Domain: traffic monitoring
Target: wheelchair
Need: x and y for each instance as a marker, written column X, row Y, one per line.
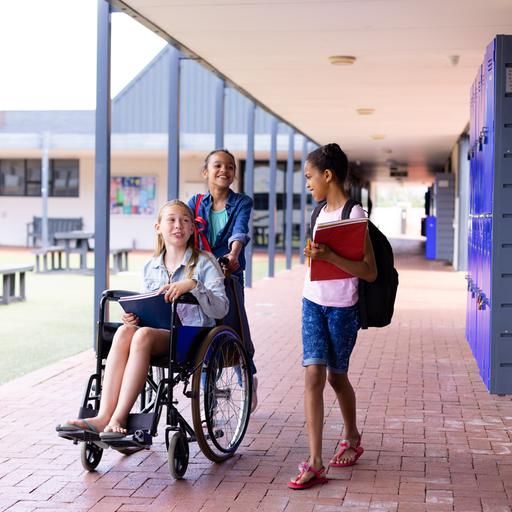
column 212, row 365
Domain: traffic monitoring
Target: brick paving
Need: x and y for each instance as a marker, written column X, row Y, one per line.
column 435, row 440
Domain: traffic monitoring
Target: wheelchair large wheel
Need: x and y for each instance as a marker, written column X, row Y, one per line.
column 221, row 394
column 90, row 455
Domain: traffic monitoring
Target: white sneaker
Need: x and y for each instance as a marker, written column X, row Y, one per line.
column 254, row 403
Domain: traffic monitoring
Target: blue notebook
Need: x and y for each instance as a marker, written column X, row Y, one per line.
column 151, row 308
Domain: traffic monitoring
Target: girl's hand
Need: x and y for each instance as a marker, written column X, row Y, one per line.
column 318, row 252
column 233, row 262
column 130, row 319
column 174, row 290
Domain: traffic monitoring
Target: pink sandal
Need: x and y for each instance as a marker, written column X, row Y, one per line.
column 318, row 479
column 344, row 446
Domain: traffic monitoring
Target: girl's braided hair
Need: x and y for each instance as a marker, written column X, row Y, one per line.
column 332, row 157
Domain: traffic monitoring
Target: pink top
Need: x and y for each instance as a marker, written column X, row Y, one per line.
column 340, row 293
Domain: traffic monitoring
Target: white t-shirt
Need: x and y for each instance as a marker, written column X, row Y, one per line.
column 340, row 293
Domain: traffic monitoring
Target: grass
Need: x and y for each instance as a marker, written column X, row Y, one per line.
column 56, row 320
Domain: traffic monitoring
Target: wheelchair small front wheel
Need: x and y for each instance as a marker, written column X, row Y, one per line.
column 177, row 454
column 90, row 455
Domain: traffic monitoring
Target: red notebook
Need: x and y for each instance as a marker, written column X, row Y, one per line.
column 344, row 237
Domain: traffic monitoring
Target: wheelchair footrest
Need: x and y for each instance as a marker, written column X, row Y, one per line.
column 139, row 440
column 79, row 435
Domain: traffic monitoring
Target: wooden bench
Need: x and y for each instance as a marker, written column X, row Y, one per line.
column 120, row 259
column 55, row 252
column 55, row 225
column 9, row 282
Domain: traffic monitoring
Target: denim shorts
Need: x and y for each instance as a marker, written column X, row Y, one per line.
column 328, row 335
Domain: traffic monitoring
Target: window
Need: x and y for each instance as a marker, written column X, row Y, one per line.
column 12, row 177
column 20, row 177
column 64, row 178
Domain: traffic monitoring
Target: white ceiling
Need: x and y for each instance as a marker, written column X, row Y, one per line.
column 278, row 51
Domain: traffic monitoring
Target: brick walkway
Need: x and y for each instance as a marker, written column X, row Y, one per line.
column 434, row 439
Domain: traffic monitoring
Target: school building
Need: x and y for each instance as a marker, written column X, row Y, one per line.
column 139, row 155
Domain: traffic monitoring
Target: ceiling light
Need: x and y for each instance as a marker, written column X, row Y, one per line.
column 342, row 60
column 454, row 59
column 365, row 111
column 378, row 136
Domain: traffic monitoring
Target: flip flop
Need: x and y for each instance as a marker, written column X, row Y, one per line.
column 344, row 446
column 70, row 427
column 75, row 432
column 112, row 436
column 318, row 479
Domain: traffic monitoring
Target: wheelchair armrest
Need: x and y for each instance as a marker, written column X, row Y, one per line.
column 117, row 294
column 187, row 298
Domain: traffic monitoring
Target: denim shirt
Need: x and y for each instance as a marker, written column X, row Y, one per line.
column 239, row 208
column 209, row 292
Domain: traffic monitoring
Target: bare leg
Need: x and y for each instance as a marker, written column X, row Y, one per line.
column 114, row 371
column 314, row 409
column 146, row 342
column 347, row 401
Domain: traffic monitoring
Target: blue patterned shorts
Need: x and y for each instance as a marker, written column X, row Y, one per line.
column 328, row 335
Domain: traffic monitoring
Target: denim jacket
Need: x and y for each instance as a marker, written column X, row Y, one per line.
column 209, row 292
column 238, row 207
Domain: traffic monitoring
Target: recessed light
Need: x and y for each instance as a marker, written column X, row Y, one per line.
column 365, row 111
column 378, row 136
column 342, row 60
column 454, row 59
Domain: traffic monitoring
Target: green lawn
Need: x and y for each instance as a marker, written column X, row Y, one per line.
column 56, row 320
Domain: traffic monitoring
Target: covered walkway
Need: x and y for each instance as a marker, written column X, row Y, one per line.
column 434, row 438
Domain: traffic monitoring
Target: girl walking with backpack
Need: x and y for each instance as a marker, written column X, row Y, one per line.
column 330, row 321
column 222, row 218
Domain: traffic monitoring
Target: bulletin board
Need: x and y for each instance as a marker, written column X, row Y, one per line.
column 133, row 195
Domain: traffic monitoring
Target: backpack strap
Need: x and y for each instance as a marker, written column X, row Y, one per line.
column 199, row 232
column 345, row 213
column 315, row 214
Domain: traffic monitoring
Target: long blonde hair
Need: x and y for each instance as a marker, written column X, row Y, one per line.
column 160, row 244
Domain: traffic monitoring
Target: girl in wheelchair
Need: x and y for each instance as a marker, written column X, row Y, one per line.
column 176, row 268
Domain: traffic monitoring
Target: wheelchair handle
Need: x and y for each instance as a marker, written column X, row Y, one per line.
column 117, row 294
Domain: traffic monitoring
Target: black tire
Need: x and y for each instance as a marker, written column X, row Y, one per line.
column 221, row 394
column 90, row 455
column 177, row 454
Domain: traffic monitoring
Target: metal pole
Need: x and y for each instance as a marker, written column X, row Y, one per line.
column 303, row 196
column 45, row 171
column 289, row 201
column 249, row 186
column 219, row 114
column 102, row 157
column 272, row 199
column 173, row 142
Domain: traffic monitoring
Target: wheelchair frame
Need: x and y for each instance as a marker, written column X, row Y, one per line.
column 211, row 359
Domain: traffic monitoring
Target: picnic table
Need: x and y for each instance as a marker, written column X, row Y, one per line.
column 75, row 242
column 9, row 282
column 55, row 262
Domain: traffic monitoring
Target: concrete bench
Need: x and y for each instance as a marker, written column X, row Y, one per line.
column 120, row 259
column 9, row 282
column 55, row 253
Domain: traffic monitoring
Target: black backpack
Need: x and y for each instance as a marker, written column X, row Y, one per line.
column 377, row 299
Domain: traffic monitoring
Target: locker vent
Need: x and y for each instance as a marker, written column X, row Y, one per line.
column 489, row 64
